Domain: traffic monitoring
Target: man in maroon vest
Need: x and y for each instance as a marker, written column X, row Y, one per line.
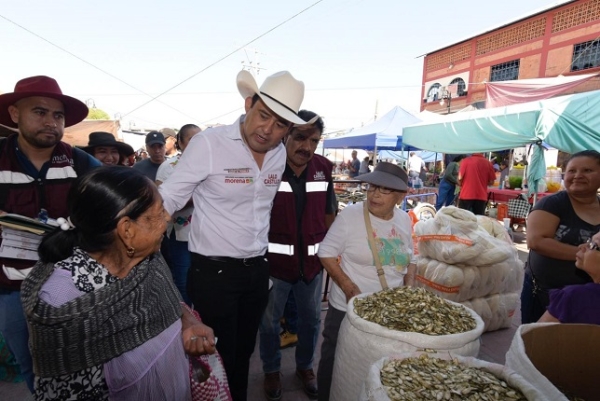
column 36, row 172
column 303, row 210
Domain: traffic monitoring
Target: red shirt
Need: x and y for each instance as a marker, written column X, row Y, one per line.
column 476, row 172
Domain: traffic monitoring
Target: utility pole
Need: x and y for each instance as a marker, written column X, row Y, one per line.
column 252, row 64
column 376, row 109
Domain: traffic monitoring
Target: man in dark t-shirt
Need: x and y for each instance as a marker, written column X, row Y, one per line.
column 155, row 146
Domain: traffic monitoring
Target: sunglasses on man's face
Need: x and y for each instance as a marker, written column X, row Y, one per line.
column 592, row 245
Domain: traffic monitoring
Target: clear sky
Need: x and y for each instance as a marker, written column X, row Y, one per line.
column 357, row 58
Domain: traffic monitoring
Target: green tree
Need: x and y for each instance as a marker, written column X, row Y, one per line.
column 97, row 114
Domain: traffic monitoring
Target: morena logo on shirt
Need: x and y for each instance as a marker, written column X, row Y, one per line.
column 319, row 175
column 61, row 159
column 239, row 180
column 272, row 180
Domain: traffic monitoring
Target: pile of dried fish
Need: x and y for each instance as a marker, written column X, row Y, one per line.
column 427, row 378
column 414, row 310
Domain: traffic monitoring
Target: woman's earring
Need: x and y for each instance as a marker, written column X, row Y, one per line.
column 130, row 251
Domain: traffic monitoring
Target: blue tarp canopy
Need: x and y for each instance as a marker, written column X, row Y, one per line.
column 382, row 133
column 569, row 123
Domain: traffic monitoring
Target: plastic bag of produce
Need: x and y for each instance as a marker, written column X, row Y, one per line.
column 494, row 228
column 447, row 375
column 362, row 342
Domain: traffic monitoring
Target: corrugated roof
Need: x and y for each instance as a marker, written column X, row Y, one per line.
column 511, row 22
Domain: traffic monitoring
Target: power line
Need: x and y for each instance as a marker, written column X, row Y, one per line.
column 90, row 64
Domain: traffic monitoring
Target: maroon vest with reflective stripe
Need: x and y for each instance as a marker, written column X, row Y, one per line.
column 21, row 194
column 283, row 230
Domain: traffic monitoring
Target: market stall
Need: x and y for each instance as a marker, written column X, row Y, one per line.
column 380, row 134
column 569, row 123
column 504, row 195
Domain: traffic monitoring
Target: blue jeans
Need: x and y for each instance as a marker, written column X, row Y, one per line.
column 445, row 194
column 179, row 262
column 308, row 302
column 13, row 327
column 290, row 313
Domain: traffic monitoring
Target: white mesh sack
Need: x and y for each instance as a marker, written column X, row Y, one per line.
column 361, row 343
column 373, row 390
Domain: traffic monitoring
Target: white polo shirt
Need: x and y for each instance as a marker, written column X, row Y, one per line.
column 232, row 196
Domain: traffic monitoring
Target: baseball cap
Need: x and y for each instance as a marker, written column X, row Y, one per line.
column 154, row 137
column 167, row 132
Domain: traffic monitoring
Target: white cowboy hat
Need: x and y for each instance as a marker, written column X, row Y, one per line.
column 280, row 92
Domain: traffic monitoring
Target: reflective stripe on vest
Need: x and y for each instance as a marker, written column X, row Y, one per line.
column 288, row 250
column 316, row 186
column 285, row 187
column 13, row 177
column 59, row 173
column 313, row 249
column 282, row 249
column 311, row 186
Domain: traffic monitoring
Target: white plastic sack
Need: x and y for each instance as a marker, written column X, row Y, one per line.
column 454, row 237
column 361, row 343
column 496, row 310
column 503, row 307
column 482, row 308
column 453, row 283
column 373, row 390
column 516, row 359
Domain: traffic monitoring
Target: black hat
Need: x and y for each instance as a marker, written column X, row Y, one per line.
column 106, row 139
column 154, row 137
column 387, row 175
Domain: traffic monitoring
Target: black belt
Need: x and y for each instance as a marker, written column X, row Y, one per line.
column 244, row 261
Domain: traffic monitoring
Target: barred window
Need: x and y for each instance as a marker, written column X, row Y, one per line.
column 505, row 71
column 586, row 55
column 461, row 87
column 433, row 94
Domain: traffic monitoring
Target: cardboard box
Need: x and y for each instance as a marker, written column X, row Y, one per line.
column 568, row 355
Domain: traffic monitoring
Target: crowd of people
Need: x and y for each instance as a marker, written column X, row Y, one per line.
column 238, row 222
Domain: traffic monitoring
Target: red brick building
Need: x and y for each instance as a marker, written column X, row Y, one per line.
column 560, row 40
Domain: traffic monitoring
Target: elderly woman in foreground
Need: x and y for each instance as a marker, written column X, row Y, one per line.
column 105, row 319
column 391, row 233
column 579, row 303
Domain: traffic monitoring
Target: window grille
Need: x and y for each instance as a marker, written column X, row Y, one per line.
column 505, row 71
column 433, row 94
column 461, row 87
column 586, row 55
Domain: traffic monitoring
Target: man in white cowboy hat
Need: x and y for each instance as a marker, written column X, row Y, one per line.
column 232, row 173
column 36, row 172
